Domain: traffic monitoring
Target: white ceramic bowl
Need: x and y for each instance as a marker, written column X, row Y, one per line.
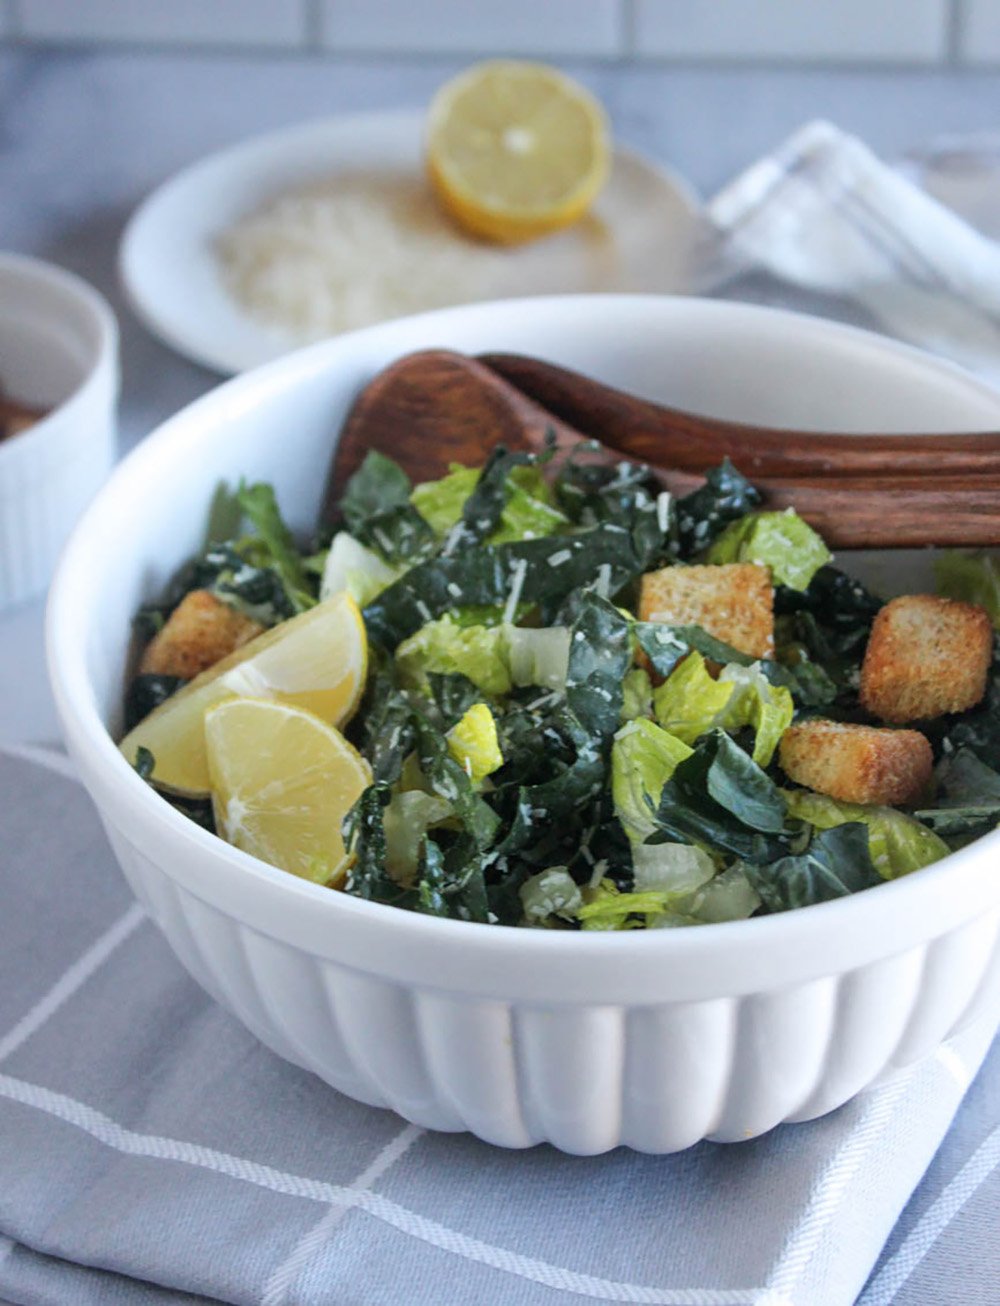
column 59, row 352
column 653, row 1039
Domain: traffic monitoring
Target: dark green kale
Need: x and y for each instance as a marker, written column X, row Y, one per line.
column 377, row 511
column 704, row 514
column 837, row 862
column 147, row 691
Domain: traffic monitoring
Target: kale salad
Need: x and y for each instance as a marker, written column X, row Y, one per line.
column 583, row 704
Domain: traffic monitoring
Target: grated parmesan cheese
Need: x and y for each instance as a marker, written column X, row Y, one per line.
column 349, row 251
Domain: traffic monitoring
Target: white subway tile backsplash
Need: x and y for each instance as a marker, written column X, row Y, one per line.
column 523, row 27
column 211, row 22
column 979, row 31
column 906, row 31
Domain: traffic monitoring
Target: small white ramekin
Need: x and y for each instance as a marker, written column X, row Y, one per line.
column 58, row 352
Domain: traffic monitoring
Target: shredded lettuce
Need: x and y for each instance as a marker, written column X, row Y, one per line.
column 779, row 540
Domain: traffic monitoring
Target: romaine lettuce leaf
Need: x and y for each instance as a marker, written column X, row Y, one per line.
column 637, row 695
column 477, row 652
column 552, row 892
column 507, row 500
column 728, row 896
column 678, row 868
column 690, row 701
column 472, row 741
column 897, row 843
column 756, row 702
column 405, row 821
column 972, row 577
column 779, row 540
column 643, row 758
column 350, row 566
column 494, row 658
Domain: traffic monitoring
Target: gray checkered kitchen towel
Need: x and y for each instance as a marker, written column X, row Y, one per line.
column 152, row 1151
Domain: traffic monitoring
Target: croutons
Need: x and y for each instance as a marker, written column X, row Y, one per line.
column 734, row 602
column 200, row 630
column 857, row 764
column 926, row 656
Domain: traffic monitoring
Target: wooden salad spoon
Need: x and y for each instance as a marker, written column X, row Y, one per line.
column 437, row 407
column 653, row 432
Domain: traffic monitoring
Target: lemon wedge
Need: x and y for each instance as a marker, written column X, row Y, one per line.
column 282, row 782
column 516, row 149
column 317, row 661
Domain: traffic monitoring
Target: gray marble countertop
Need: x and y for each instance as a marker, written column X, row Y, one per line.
column 85, row 136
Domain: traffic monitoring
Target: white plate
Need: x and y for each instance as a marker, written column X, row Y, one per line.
column 636, row 238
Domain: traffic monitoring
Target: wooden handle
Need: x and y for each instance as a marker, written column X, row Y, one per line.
column 654, row 433
column 857, row 514
column 436, row 407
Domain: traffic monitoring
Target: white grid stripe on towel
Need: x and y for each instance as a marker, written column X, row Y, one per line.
column 933, row 1223
column 277, row 1287
column 72, row 980
column 807, row 1234
column 151, row 1146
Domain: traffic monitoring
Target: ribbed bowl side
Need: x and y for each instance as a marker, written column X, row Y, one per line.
column 586, row 1078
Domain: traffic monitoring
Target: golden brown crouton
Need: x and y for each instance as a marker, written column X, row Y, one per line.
column 200, row 630
column 926, row 656
column 734, row 602
column 857, row 764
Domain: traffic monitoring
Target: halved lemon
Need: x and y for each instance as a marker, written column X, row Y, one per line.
column 516, row 149
column 282, row 782
column 317, row 660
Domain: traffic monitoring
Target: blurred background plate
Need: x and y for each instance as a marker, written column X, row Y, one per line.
column 636, row 238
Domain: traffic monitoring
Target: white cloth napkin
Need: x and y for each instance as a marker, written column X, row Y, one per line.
column 824, row 214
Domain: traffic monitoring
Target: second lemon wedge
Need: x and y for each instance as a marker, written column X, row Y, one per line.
column 317, row 661
column 516, row 149
column 282, row 783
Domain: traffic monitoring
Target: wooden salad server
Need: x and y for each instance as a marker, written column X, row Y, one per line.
column 436, row 407
column 651, row 432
